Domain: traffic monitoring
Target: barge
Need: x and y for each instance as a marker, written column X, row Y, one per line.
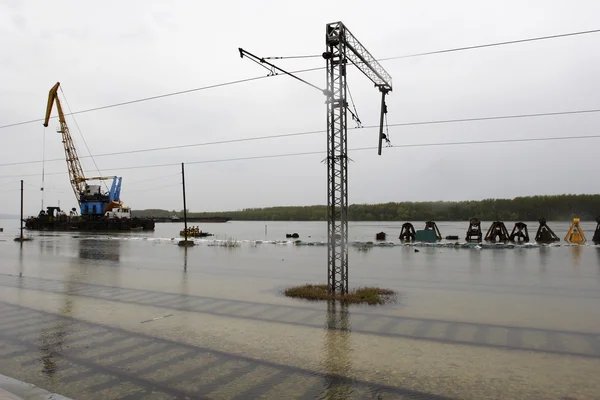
column 54, row 219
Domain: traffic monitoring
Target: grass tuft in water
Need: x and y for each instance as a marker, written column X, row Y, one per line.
column 362, row 295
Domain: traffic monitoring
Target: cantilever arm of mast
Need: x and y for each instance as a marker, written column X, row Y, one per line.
column 364, row 61
column 338, row 33
column 273, row 66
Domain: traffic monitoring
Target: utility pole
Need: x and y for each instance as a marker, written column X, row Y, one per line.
column 341, row 48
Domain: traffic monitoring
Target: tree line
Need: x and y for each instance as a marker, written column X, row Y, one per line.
column 558, row 207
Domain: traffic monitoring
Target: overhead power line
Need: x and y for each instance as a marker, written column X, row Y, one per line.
column 293, row 57
column 539, row 38
column 402, row 146
column 285, row 135
column 160, row 96
column 481, row 46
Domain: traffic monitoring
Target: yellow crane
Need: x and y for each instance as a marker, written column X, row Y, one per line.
column 76, row 175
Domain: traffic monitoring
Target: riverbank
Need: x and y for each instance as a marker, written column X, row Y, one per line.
column 531, row 208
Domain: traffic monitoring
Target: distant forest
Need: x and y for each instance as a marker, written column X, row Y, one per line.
column 560, row 207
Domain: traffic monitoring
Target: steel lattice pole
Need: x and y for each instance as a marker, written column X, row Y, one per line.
column 337, row 161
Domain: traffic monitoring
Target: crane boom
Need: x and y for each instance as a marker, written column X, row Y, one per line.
column 76, row 175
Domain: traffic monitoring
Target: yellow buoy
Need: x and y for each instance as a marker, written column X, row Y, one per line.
column 575, row 234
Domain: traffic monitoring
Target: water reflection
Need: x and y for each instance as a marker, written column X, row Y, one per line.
column 337, row 352
column 93, row 249
column 499, row 261
column 544, row 254
column 21, row 260
column 52, row 339
column 598, row 256
column 21, row 293
column 475, row 261
column 576, row 254
column 48, row 246
column 520, row 258
column 185, row 258
column 184, row 278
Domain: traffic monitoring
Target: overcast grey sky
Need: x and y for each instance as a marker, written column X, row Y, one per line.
column 114, row 51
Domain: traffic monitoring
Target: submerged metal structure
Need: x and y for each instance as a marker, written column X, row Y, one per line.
column 544, row 233
column 407, row 233
column 575, row 234
column 519, row 233
column 596, row 238
column 474, row 231
column 343, row 47
column 432, row 226
column 497, row 232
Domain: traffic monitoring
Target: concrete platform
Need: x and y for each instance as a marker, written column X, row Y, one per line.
column 13, row 389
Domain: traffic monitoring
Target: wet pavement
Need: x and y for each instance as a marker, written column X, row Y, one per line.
column 99, row 361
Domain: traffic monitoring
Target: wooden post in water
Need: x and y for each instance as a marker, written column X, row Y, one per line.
column 185, row 230
column 21, row 238
column 21, row 210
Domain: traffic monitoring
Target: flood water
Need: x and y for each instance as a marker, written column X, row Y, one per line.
column 132, row 315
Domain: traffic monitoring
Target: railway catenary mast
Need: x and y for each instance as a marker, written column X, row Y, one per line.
column 341, row 47
column 91, row 201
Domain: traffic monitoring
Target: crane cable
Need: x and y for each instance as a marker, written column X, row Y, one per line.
column 43, row 164
column 81, row 134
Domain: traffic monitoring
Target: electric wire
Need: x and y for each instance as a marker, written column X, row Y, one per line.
column 159, row 187
column 274, row 68
column 271, row 71
column 270, row 156
column 306, row 70
column 160, row 96
column 285, row 135
column 388, row 140
column 292, row 57
column 181, row 146
column 481, row 46
column 355, row 113
column 154, row 178
column 513, row 116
